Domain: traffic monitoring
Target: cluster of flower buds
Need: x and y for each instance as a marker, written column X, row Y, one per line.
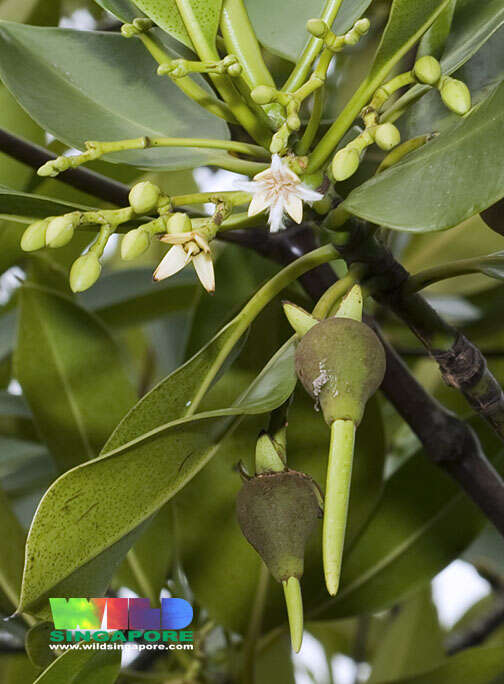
column 427, row 71
column 292, row 101
column 190, row 243
column 454, row 93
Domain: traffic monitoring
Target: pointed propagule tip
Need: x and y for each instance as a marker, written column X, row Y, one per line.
column 267, row 458
column 294, row 603
column 299, row 319
column 351, row 305
column 332, row 580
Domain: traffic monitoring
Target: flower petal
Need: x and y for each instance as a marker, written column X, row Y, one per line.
column 173, row 262
column 258, row 203
column 307, row 194
column 276, row 216
column 294, row 207
column 246, row 186
column 203, row 265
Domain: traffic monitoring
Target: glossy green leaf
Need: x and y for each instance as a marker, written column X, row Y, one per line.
column 15, row 416
column 167, row 16
column 64, row 351
column 81, row 666
column 114, row 494
column 94, row 92
column 12, row 541
column 122, row 9
column 20, row 203
column 282, row 28
column 16, row 668
column 37, row 644
column 412, row 639
column 434, row 41
column 422, row 522
column 474, row 666
column 437, row 186
column 273, row 664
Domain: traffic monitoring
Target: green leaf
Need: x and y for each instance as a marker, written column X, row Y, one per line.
column 37, row 644
column 96, row 81
column 282, row 27
column 81, row 666
column 12, row 541
column 433, row 42
column 64, row 351
column 474, row 666
column 112, row 495
column 122, row 9
column 492, row 265
column 167, row 16
column 273, row 664
column 16, row 668
column 422, row 522
column 437, row 186
column 34, row 206
column 412, row 639
column 15, row 416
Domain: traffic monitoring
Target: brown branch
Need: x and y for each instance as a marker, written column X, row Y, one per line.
column 82, row 179
column 461, row 363
column 479, row 630
column 448, row 441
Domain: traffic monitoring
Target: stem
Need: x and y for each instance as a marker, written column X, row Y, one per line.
column 247, row 168
column 208, row 51
column 313, row 124
column 313, row 47
column 339, row 474
column 188, row 86
column 240, row 40
column 82, row 179
column 435, row 274
column 294, row 603
column 258, row 302
column 233, row 197
column 254, row 628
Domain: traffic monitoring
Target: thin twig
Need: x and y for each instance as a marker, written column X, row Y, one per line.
column 479, row 630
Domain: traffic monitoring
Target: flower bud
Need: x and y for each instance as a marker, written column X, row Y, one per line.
column 134, row 244
column 456, row 95
column 34, row 236
column 85, row 272
column 345, row 163
column 61, row 230
column 317, row 27
column 427, row 70
column 263, row 94
column 144, row 197
column 234, row 69
column 293, row 122
column 387, row 136
column 179, row 223
column 362, row 26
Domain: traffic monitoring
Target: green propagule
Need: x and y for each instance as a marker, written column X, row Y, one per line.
column 292, row 159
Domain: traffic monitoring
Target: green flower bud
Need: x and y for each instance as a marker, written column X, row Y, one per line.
column 314, row 180
column 144, row 197
column 263, row 94
column 427, row 70
column 345, row 163
column 456, row 95
column 317, row 27
column 293, row 122
column 34, row 236
column 234, row 69
column 135, row 243
column 362, row 26
column 179, row 223
column 387, row 136
column 61, row 230
column 85, row 272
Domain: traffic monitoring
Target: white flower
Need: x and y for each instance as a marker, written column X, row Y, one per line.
column 185, row 250
column 280, row 190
